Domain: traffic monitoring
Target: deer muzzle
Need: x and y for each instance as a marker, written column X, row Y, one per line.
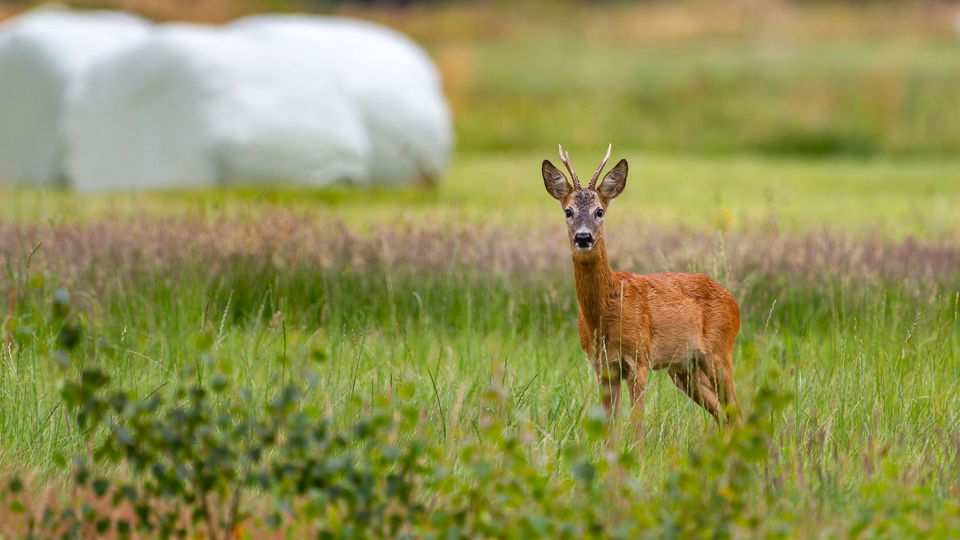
column 583, row 241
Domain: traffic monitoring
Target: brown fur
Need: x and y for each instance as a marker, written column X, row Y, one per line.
column 632, row 323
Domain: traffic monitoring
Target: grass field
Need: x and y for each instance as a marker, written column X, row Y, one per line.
column 454, row 290
column 882, row 197
column 457, row 303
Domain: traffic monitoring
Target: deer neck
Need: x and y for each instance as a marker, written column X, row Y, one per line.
column 594, row 281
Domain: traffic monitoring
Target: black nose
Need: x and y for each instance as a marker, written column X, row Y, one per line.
column 583, row 239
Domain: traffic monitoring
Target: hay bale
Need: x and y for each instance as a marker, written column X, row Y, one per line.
column 392, row 81
column 44, row 56
column 197, row 106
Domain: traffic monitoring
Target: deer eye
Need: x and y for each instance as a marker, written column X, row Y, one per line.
column 599, row 212
column 568, row 212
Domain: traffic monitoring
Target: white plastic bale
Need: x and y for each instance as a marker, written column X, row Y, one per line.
column 393, row 81
column 196, row 106
column 44, row 54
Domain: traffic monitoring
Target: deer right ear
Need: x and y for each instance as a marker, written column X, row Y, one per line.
column 555, row 182
column 614, row 182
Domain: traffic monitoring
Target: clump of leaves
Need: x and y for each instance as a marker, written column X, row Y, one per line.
column 718, row 489
column 194, row 462
column 194, row 459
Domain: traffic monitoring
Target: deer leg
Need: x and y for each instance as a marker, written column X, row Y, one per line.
column 708, row 393
column 695, row 384
column 638, row 391
column 609, row 377
column 717, row 370
column 716, row 376
column 724, row 384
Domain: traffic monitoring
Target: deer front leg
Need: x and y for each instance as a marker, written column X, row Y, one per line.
column 638, row 391
column 608, row 368
column 608, row 375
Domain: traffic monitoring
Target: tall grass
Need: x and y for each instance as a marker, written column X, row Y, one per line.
column 864, row 333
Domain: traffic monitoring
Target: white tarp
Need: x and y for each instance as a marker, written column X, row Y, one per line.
column 198, row 105
column 44, row 54
column 393, row 82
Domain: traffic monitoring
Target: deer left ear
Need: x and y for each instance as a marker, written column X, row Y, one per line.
column 555, row 182
column 614, row 182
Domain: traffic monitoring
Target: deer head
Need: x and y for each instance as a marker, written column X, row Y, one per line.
column 584, row 208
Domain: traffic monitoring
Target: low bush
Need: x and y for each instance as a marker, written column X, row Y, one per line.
column 200, row 460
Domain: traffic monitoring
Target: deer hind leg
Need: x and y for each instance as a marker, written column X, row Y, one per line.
column 695, row 383
column 728, row 397
column 717, row 370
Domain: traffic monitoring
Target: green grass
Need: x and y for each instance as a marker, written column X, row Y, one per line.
column 886, row 197
column 873, row 365
column 874, row 372
column 768, row 95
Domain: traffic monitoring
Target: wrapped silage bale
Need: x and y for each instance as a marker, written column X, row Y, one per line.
column 44, row 54
column 393, row 81
column 196, row 106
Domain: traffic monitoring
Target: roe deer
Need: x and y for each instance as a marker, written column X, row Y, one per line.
column 632, row 323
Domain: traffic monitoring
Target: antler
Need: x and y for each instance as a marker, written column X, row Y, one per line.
column 596, row 175
column 565, row 158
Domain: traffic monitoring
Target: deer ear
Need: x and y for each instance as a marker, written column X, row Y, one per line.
column 555, row 182
column 614, row 182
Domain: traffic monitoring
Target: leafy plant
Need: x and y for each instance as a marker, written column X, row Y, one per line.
column 204, row 460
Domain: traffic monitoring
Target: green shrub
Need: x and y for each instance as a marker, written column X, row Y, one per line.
column 199, row 459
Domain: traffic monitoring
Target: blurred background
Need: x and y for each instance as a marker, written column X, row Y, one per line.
column 681, row 85
column 768, row 76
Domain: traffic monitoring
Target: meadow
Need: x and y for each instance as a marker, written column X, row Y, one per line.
column 447, row 317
